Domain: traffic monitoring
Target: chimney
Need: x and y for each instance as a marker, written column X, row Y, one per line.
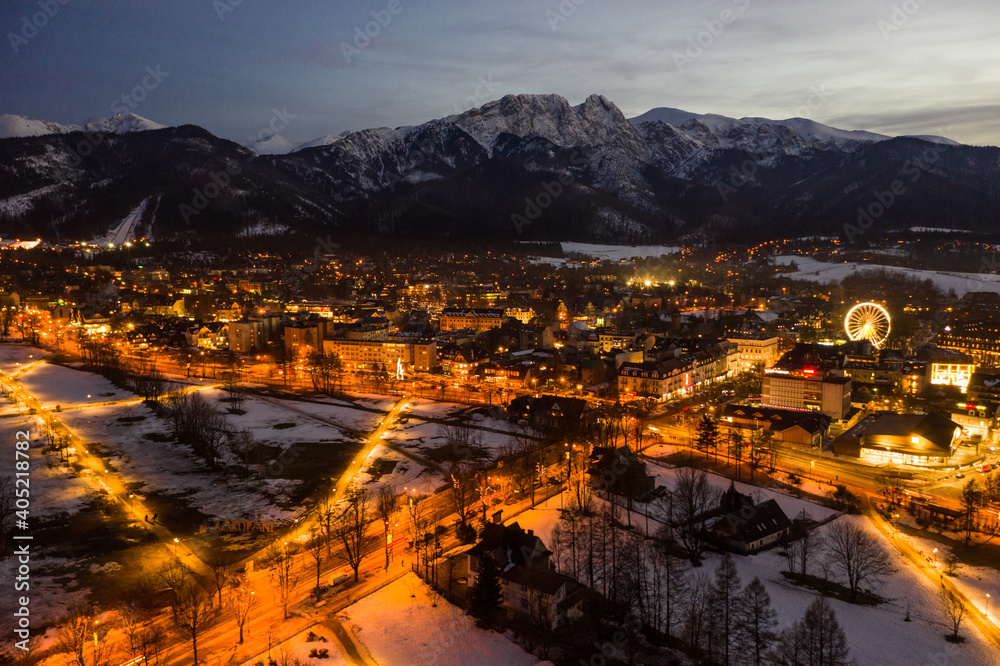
column 531, row 532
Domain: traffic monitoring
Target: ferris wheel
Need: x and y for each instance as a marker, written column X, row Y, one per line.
column 868, row 321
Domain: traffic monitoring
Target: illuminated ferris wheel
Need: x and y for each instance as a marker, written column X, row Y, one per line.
column 868, row 321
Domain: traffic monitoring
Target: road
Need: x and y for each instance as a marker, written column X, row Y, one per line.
column 930, row 570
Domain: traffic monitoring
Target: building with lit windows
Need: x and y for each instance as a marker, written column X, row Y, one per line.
column 754, row 349
column 807, row 389
column 416, row 356
column 980, row 340
column 948, row 367
column 909, row 439
column 477, row 319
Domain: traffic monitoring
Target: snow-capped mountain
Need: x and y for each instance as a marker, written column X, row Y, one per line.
column 12, row 126
column 121, row 124
column 527, row 166
column 321, row 141
column 274, row 144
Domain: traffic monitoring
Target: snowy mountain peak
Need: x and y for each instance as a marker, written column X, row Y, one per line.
column 12, row 126
column 272, row 144
column 322, row 141
column 121, row 124
column 597, row 121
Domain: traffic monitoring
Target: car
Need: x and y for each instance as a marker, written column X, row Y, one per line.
column 959, row 476
column 318, row 592
column 339, row 580
column 986, row 468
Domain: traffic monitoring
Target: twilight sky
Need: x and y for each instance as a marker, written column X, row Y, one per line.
column 890, row 66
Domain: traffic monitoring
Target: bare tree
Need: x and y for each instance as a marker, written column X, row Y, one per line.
column 326, row 511
column 857, row 554
column 890, row 490
column 81, row 630
column 385, row 509
column 244, row 598
column 192, row 612
column 316, row 548
column 463, row 490
column 144, row 639
column 349, row 528
column 281, row 570
column 955, row 609
column 693, row 497
column 220, row 563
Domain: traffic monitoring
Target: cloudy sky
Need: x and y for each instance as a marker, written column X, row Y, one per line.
column 891, row 66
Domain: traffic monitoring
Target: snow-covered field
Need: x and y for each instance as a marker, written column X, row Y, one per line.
column 297, row 647
column 55, row 385
column 974, row 582
column 400, row 630
column 171, row 469
column 790, row 505
column 827, row 273
column 405, row 472
column 15, row 356
column 618, row 252
column 340, row 412
column 878, row 636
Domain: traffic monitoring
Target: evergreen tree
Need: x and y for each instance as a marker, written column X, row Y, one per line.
column 756, row 623
column 708, row 435
column 487, row 593
column 726, row 596
column 816, row 640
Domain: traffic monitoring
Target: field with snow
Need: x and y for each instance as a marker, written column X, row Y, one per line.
column 617, row 252
column 55, row 385
column 391, row 467
column 297, row 647
column 424, row 436
column 363, row 418
column 877, row 635
column 16, row 356
column 828, row 273
column 132, row 436
column 402, row 630
column 790, row 505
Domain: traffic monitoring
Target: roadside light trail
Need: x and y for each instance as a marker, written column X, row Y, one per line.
column 975, row 615
column 112, row 482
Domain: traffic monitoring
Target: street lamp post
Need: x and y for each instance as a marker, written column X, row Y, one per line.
column 987, row 605
column 935, row 557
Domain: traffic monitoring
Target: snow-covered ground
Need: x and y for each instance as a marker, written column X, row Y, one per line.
column 790, row 505
column 55, row 385
column 405, row 472
column 171, row 469
column 340, row 412
column 402, row 630
column 826, row 273
column 974, row 582
column 618, row 252
column 542, row 519
column 297, row 647
column 878, row 636
column 15, row 356
column 432, row 409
